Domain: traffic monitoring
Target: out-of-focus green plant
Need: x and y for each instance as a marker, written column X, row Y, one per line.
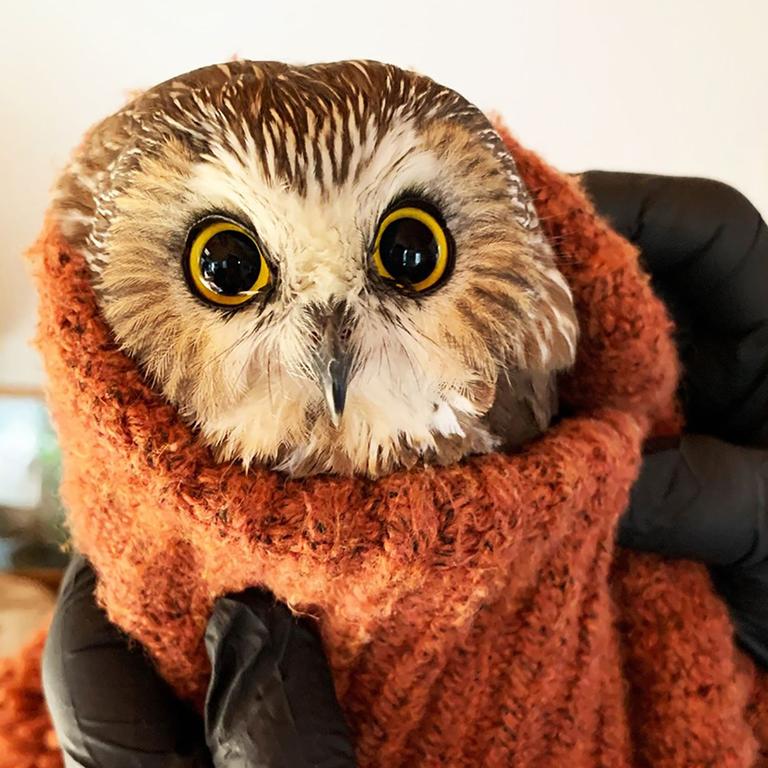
column 32, row 528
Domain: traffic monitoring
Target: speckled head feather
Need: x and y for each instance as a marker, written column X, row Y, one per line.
column 309, row 160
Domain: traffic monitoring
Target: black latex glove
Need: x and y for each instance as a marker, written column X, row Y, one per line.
column 271, row 702
column 705, row 497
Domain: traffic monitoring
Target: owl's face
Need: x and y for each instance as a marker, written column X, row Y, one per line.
column 325, row 268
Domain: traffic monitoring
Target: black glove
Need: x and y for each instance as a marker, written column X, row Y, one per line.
column 705, row 497
column 701, row 498
column 271, row 700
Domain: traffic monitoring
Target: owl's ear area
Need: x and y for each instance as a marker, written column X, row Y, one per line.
column 553, row 340
column 524, row 405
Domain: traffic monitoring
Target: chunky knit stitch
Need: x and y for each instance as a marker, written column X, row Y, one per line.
column 475, row 615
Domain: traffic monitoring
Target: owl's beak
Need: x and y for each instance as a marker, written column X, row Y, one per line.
column 334, row 364
column 335, row 387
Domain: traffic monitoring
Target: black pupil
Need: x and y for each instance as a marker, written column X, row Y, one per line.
column 408, row 250
column 230, row 263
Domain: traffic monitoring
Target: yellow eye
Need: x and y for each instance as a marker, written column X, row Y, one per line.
column 224, row 264
column 412, row 249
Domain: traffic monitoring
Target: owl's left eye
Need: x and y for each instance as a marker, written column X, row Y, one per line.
column 413, row 248
column 224, row 264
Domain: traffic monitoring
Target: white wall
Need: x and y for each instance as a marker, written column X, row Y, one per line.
column 670, row 86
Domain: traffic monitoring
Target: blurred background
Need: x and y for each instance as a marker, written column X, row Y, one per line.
column 674, row 87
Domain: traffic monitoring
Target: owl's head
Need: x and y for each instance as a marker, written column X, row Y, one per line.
column 324, row 268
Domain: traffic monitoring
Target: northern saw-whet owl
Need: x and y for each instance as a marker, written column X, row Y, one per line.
column 327, row 268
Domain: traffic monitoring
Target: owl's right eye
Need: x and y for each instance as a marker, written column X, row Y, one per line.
column 224, row 264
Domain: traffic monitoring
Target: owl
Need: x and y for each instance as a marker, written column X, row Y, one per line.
column 327, row 268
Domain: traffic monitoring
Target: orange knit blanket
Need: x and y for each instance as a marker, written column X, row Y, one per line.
column 475, row 615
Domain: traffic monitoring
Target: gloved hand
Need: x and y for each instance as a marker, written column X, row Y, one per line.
column 705, row 497
column 271, row 702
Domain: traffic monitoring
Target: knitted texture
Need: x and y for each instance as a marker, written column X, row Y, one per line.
column 27, row 738
column 474, row 615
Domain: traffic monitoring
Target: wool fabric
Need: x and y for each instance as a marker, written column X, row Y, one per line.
column 474, row 615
